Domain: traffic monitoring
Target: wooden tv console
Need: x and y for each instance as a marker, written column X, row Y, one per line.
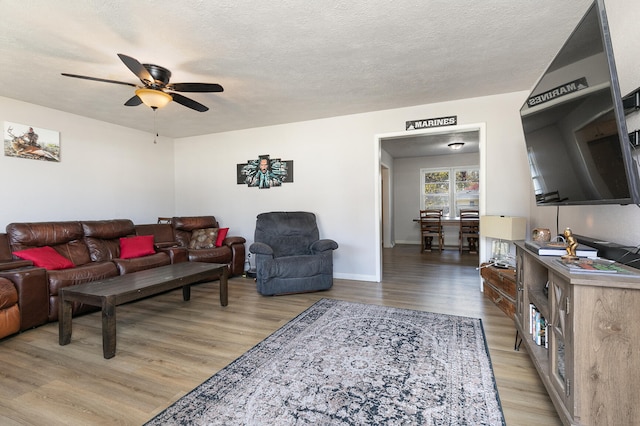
column 591, row 368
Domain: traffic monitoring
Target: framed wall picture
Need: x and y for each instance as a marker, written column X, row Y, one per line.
column 265, row 172
column 34, row 143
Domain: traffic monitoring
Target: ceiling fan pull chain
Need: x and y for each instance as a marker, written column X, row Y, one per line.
column 155, row 126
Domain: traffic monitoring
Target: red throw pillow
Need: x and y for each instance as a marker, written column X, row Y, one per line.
column 222, row 234
column 45, row 257
column 131, row 247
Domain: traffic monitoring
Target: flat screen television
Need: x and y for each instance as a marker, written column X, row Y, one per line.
column 574, row 124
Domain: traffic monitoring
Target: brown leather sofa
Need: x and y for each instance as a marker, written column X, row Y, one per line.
column 92, row 246
column 179, row 233
column 94, row 249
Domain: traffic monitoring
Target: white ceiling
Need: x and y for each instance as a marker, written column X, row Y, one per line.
column 278, row 61
column 431, row 144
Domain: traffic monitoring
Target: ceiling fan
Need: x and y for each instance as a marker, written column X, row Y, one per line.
column 156, row 91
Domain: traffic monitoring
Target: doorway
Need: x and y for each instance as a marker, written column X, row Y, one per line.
column 419, row 143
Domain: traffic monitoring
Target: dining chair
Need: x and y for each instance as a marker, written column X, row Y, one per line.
column 431, row 226
column 469, row 229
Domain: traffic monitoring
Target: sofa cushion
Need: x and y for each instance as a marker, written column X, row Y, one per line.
column 288, row 233
column 65, row 237
column 45, row 257
column 93, row 271
column 132, row 247
column 127, row 266
column 222, row 234
column 295, row 267
column 213, row 255
column 102, row 237
column 162, row 233
column 203, row 238
column 9, row 310
column 184, row 226
column 8, row 294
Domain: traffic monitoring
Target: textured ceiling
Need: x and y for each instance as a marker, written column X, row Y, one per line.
column 431, row 144
column 278, row 61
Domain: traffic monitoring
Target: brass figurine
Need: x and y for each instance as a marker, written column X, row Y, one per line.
column 572, row 245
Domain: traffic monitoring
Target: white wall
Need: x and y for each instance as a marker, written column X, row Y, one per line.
column 108, row 171
column 337, row 173
column 619, row 224
column 105, row 172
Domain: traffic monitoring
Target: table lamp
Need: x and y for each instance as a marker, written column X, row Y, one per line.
column 502, row 229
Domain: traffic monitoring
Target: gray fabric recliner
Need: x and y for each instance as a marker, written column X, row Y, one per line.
column 289, row 254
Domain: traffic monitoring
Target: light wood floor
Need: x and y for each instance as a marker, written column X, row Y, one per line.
column 166, row 346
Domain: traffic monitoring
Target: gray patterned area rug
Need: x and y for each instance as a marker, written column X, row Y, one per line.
column 343, row 363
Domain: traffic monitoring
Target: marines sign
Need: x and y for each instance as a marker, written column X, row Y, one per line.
column 565, row 89
column 432, row 122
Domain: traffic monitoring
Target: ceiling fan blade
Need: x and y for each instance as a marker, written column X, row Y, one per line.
column 134, row 101
column 104, row 80
column 189, row 103
column 137, row 68
column 195, row 87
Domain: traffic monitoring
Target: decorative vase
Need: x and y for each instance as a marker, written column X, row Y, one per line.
column 541, row 235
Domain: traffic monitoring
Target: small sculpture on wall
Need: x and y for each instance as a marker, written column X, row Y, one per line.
column 265, row 172
column 572, row 244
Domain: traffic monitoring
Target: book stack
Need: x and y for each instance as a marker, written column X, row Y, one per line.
column 538, row 326
column 595, row 266
column 559, row 249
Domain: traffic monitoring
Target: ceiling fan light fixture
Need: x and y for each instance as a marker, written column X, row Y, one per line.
column 153, row 98
column 456, row 145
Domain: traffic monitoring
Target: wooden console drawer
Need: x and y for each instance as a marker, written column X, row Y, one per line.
column 500, row 288
column 505, row 303
column 503, row 279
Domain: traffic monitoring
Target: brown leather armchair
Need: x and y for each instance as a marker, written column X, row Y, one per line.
column 231, row 252
column 9, row 309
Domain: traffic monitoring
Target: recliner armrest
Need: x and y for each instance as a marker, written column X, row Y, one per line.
column 229, row 241
column 33, row 295
column 261, row 248
column 323, row 245
column 176, row 254
column 14, row 264
column 165, row 244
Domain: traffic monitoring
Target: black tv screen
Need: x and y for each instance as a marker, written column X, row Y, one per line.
column 574, row 124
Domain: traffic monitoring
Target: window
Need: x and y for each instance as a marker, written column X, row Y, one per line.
column 436, row 190
column 450, row 189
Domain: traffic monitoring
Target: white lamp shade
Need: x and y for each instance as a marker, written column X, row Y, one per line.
column 510, row 228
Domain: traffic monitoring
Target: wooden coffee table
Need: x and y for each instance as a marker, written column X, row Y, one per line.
column 111, row 292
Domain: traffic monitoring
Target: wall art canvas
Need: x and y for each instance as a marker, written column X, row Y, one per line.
column 34, row 143
column 265, row 172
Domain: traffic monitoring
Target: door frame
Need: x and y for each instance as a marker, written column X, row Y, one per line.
column 378, row 199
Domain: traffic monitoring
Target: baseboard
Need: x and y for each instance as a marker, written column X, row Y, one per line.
column 355, row 277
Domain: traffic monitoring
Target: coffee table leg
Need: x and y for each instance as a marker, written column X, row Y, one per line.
column 108, row 327
column 224, row 289
column 64, row 321
column 186, row 293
